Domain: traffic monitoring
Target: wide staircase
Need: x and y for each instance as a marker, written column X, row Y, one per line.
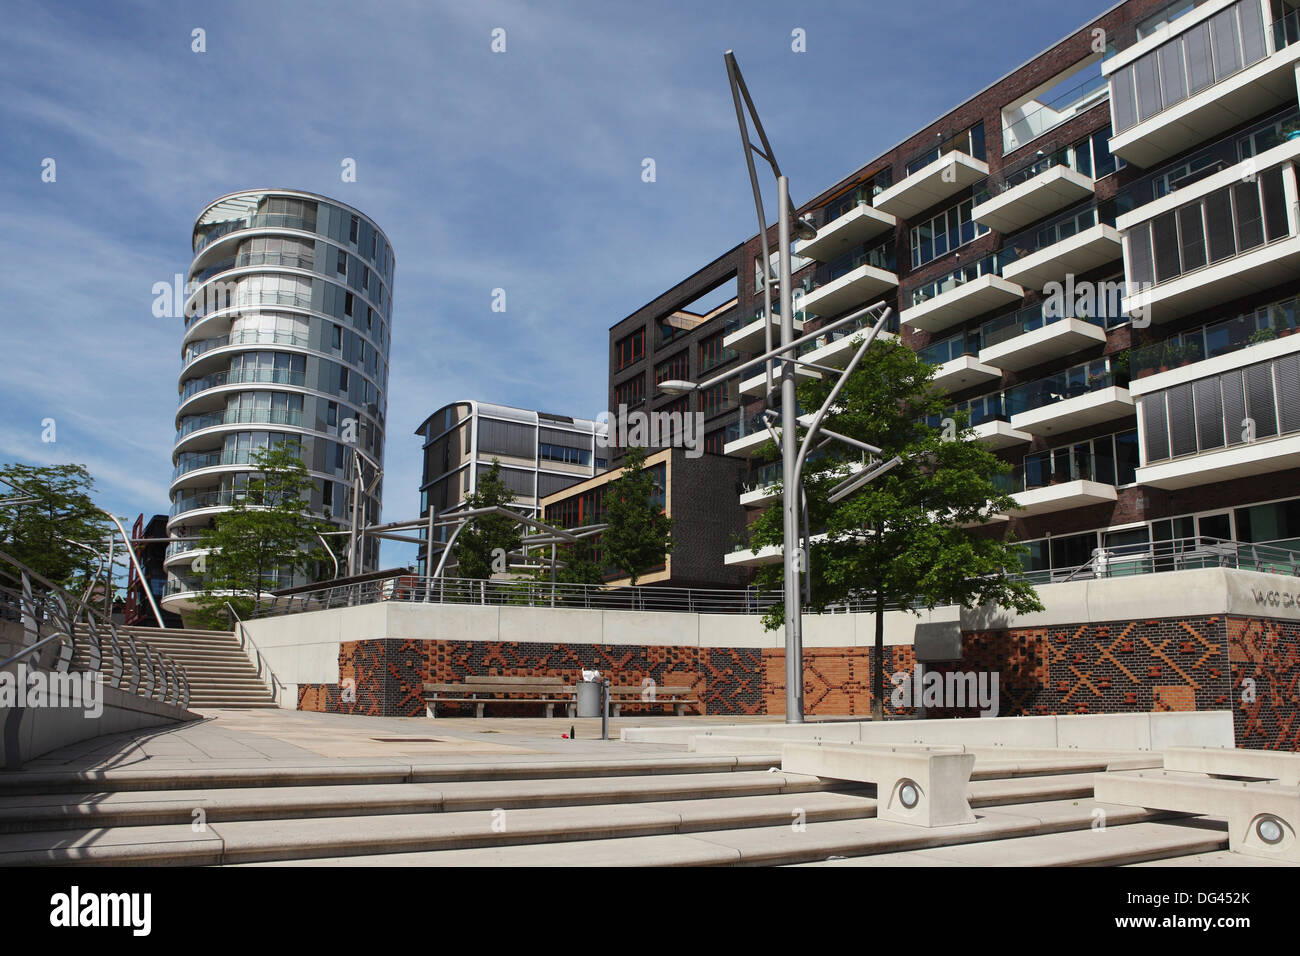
column 219, row 670
column 670, row 810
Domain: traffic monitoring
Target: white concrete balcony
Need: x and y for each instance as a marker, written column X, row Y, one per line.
column 964, row 371
column 750, row 338
column 755, row 437
column 1067, row 412
column 1060, row 497
column 944, row 178
column 1249, row 272
column 1236, row 98
column 769, row 554
column 1082, row 252
column 859, row 286
column 961, row 302
column 999, row 434
column 861, row 223
column 1208, row 465
column 1048, row 192
column 1033, row 346
column 840, row 345
column 1240, row 461
column 756, row 385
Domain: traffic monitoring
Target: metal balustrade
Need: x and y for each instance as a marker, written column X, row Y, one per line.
column 54, row 622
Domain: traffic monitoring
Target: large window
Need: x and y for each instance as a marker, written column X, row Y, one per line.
column 947, row 231
column 629, row 350
column 1204, row 55
column 631, row 392
column 1243, row 405
column 720, row 397
column 676, row 368
column 713, row 353
column 1223, row 224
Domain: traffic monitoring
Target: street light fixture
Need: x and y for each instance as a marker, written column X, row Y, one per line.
column 793, row 452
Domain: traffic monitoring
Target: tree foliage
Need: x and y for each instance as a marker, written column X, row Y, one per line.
column 639, row 535
column 489, row 536
column 40, row 534
column 269, row 531
column 899, row 540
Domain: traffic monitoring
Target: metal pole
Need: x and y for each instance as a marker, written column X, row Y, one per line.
column 108, row 578
column 130, row 553
column 604, row 709
column 789, row 483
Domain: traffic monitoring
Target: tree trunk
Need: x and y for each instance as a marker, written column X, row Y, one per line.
column 878, row 660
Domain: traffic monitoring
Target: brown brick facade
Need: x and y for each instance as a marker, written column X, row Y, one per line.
column 1247, row 664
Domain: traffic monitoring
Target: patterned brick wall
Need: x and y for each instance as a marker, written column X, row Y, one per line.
column 1249, row 665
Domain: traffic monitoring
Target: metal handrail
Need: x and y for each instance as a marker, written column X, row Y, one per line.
column 67, row 623
column 244, row 637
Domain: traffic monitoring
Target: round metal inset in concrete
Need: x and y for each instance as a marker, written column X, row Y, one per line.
column 909, row 794
column 1269, row 830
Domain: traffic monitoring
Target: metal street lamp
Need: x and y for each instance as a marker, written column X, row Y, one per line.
column 793, row 453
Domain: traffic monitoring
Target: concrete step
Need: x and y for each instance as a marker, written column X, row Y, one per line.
column 1111, row 846
column 341, row 773
column 753, row 845
column 274, row 840
column 131, row 808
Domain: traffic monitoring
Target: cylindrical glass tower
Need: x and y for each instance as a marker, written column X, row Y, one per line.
column 287, row 330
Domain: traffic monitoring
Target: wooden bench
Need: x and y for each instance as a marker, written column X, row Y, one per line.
column 481, row 691
column 674, row 696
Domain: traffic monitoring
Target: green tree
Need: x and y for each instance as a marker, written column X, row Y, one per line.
column 639, row 535
column 899, row 540
column 577, row 564
column 488, row 537
column 269, row 530
column 41, row 533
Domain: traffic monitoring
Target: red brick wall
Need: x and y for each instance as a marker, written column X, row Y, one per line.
column 1250, row 665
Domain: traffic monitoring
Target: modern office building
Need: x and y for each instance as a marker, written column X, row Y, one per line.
column 287, row 330
column 540, row 454
column 697, row 491
column 1100, row 255
column 665, row 340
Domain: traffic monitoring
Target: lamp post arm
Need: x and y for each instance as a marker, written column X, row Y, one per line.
column 815, row 426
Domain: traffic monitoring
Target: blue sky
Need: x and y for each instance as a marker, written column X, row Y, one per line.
column 518, row 170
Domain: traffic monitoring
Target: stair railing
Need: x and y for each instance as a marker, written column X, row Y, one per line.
column 246, row 642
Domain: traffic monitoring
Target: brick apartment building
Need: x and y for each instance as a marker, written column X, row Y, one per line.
column 1145, row 159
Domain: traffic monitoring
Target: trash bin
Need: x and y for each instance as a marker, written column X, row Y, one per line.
column 589, row 698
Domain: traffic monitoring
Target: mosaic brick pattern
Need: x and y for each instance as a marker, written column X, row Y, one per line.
column 388, row 675
column 1248, row 665
column 1265, row 661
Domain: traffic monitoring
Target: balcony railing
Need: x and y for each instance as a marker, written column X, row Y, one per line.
column 1219, row 155
column 969, row 141
column 205, row 499
column 953, row 347
column 1179, row 554
column 958, row 277
column 261, row 220
column 1059, row 109
column 196, row 385
column 1071, row 383
column 1003, row 328
column 982, row 410
column 1070, row 223
column 881, row 257
column 860, row 196
column 846, row 331
column 1276, row 320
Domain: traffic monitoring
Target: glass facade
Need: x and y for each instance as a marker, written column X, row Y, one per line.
column 287, row 325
